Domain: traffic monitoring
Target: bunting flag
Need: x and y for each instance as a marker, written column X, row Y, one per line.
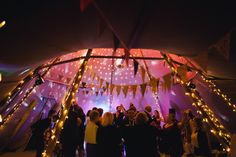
column 96, row 93
column 116, row 42
column 127, row 54
column 223, row 45
column 143, row 73
column 182, row 72
column 143, row 88
column 84, row 4
column 202, row 60
column 135, row 66
column 118, row 88
column 83, row 84
column 93, row 75
column 134, row 89
column 167, row 82
column 101, row 93
column 112, row 86
column 101, row 83
column 125, row 90
column 87, row 92
column 154, row 84
column 107, row 86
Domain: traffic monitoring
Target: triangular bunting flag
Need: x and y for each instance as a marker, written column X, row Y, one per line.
column 111, row 88
column 125, row 90
column 96, row 93
column 182, row 72
column 143, row 73
column 143, row 88
column 118, row 88
column 93, row 75
column 134, row 89
column 127, row 54
column 223, row 45
column 101, row 83
column 135, row 66
column 153, row 84
column 167, row 82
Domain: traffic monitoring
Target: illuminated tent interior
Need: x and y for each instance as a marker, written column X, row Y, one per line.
column 52, row 39
column 162, row 80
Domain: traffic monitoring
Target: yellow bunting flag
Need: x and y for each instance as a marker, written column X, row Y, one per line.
column 93, row 75
column 182, row 72
column 134, row 89
column 112, row 86
column 143, row 73
column 167, row 82
column 153, row 84
column 143, row 88
column 101, row 83
column 118, row 88
column 125, row 90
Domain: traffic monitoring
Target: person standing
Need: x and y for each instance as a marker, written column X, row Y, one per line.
column 91, row 134
column 108, row 137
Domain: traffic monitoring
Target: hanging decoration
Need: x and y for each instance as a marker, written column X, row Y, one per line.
column 143, row 71
column 134, row 89
column 101, row 83
column 202, row 108
column 213, row 87
column 125, row 90
column 182, row 72
column 167, row 82
column 135, row 66
column 143, row 88
column 112, row 86
column 66, row 103
column 118, row 88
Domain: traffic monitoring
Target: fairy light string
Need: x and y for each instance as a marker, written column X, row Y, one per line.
column 26, row 95
column 202, row 108
column 68, row 100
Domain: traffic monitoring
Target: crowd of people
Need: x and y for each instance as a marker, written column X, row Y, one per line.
column 129, row 133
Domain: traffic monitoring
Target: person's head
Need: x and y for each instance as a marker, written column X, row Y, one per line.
column 157, row 114
column 94, row 116
column 94, row 108
column 87, row 115
column 148, row 109
column 107, row 119
column 132, row 107
column 141, row 118
column 118, row 108
column 100, row 110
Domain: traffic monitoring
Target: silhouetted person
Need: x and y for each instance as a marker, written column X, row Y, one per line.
column 199, row 139
column 119, row 116
column 140, row 140
column 38, row 129
column 72, row 135
column 108, row 138
column 171, row 138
